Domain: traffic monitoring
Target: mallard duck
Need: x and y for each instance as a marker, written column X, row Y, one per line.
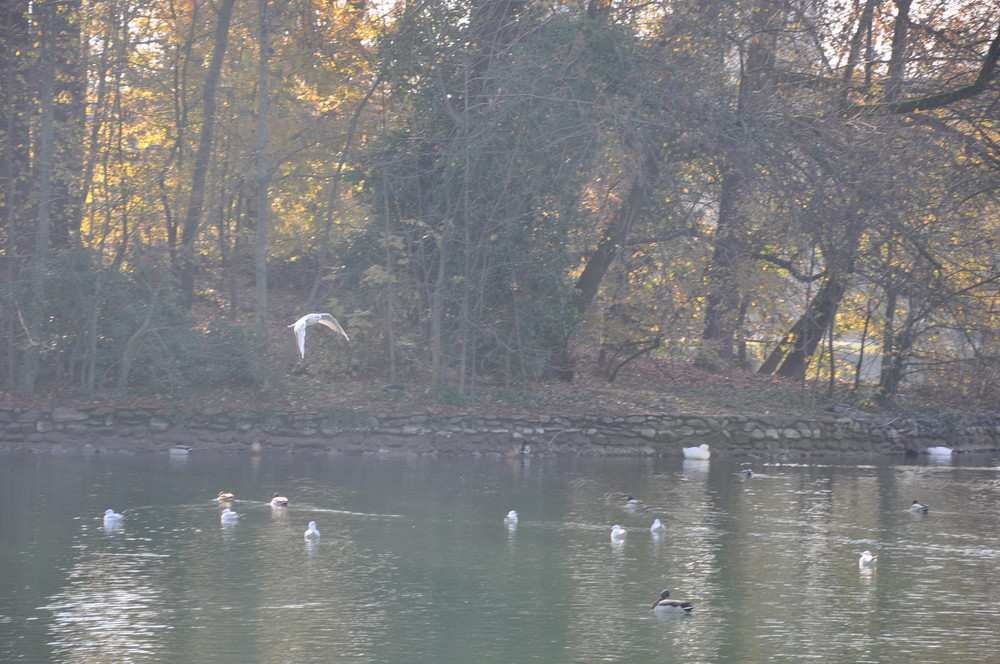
column 229, row 516
column 918, row 507
column 279, row 501
column 867, row 559
column 617, row 532
column 940, row 450
column 701, row 452
column 312, row 532
column 667, row 604
column 634, row 504
column 299, row 328
column 111, row 516
column 225, row 497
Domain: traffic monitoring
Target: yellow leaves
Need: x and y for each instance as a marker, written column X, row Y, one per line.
column 376, row 275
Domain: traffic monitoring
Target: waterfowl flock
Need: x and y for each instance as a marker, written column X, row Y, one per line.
column 228, row 516
column 664, row 604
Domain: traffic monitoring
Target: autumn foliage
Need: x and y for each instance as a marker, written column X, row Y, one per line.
column 486, row 192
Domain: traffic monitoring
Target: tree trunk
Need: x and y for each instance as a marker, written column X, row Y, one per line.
column 897, row 56
column 722, row 302
column 263, row 200
column 791, row 356
column 722, row 276
column 15, row 109
column 69, row 115
column 616, row 233
column 44, row 170
column 203, row 154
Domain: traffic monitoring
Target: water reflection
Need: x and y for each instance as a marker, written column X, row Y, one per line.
column 112, row 609
column 417, row 563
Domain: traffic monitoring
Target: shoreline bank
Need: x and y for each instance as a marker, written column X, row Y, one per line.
column 107, row 429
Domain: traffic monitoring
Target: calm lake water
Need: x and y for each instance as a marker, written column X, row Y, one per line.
column 415, row 563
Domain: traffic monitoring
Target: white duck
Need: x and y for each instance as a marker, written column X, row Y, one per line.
column 312, row 532
column 229, row 516
column 511, row 517
column 112, row 517
column 657, row 527
column 867, row 559
column 299, row 328
column 618, row 533
column 277, row 500
column 940, row 450
column 701, row 452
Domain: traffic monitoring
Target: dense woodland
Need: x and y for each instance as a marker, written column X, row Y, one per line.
column 493, row 191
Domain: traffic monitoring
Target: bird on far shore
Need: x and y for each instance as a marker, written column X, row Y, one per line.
column 299, row 328
column 702, row 452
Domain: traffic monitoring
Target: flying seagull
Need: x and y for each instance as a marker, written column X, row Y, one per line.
column 299, row 327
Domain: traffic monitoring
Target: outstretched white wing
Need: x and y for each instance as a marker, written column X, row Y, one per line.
column 331, row 322
column 299, row 328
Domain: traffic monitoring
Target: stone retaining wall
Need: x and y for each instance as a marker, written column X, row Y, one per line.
column 66, row 429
